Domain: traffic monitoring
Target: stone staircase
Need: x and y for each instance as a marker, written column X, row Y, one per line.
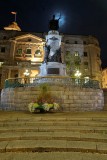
column 54, row 136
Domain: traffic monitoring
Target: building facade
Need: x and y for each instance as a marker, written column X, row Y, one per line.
column 104, row 78
column 23, row 52
column 85, row 57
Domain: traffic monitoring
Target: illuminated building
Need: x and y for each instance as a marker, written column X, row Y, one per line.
column 21, row 51
column 104, row 78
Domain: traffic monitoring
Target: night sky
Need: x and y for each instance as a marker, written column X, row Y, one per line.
column 80, row 17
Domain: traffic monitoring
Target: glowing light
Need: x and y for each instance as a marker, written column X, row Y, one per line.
column 78, row 74
column 26, row 73
column 86, row 79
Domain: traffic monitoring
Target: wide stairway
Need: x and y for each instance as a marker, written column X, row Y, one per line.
column 53, row 136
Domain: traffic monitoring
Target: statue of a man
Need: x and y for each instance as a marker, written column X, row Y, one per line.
column 54, row 24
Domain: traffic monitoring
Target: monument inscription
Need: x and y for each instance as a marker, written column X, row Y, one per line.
column 53, row 71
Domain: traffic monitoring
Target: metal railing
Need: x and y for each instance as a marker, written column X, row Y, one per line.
column 52, row 80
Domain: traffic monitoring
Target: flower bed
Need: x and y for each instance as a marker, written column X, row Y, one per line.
column 45, row 107
column 44, row 102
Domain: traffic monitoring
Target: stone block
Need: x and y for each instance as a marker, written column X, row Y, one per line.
column 99, row 101
column 34, row 88
column 65, row 97
column 65, row 105
column 94, row 97
column 66, row 88
column 68, row 101
column 75, row 97
column 75, row 105
column 70, row 93
column 66, row 93
column 77, row 101
column 19, row 89
column 84, row 97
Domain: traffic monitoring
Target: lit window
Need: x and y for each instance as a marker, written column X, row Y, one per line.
column 3, row 49
column 19, row 51
column 1, row 63
column 28, row 51
column 76, row 54
column 37, row 53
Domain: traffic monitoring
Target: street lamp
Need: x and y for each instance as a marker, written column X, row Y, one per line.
column 77, row 74
column 26, row 73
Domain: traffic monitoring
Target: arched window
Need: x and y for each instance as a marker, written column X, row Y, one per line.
column 37, row 53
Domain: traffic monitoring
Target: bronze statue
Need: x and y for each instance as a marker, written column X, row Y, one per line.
column 54, row 24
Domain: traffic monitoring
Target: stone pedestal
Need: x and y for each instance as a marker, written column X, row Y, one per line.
column 52, row 69
column 53, row 65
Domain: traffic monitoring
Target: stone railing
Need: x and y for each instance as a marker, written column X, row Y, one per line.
column 35, row 81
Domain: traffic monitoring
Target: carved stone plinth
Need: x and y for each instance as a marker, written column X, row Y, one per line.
column 52, row 68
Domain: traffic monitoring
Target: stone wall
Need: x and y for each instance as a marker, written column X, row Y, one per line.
column 71, row 99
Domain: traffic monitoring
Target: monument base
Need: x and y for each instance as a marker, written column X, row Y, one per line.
column 52, row 69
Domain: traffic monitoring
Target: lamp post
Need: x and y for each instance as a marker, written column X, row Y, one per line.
column 26, row 73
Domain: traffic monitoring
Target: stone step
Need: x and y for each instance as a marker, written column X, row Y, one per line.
column 48, row 118
column 73, row 136
column 55, row 116
column 83, row 129
column 53, row 156
column 70, row 136
column 54, row 123
column 53, row 146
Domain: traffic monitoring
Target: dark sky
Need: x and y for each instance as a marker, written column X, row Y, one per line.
column 81, row 17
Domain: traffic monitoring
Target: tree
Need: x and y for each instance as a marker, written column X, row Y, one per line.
column 73, row 62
